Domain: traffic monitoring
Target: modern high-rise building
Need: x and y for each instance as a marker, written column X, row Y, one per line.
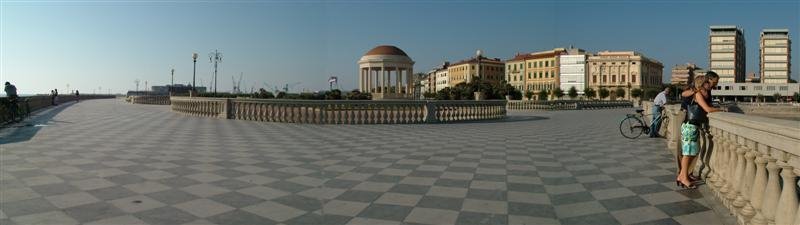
column 727, row 53
column 775, row 56
column 572, row 70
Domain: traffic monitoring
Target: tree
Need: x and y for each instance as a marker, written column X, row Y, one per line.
column 543, row 95
column 334, row 94
column 572, row 93
column 604, row 93
column 797, row 96
column 777, row 97
column 636, row 93
column 558, row 92
column 262, row 93
column 529, row 95
column 281, row 94
column 619, row 93
column 589, row 92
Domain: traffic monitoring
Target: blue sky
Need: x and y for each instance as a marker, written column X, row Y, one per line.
column 105, row 44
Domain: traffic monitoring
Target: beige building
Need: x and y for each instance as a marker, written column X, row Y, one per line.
column 516, row 72
column 727, row 53
column 387, row 73
column 535, row 71
column 623, row 69
column 775, row 56
column 682, row 74
column 464, row 71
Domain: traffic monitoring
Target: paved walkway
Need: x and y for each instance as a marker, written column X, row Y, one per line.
column 108, row 162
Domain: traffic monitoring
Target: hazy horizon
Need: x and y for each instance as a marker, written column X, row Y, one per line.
column 94, row 45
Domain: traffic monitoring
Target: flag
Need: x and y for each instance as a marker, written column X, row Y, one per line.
column 333, row 79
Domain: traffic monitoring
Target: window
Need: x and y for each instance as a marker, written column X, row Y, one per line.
column 770, row 88
column 775, row 50
column 743, row 88
column 613, row 78
column 633, row 78
column 757, row 88
column 634, row 63
column 529, row 75
column 529, row 65
column 622, row 79
column 604, row 78
column 727, row 88
column 546, row 63
column 783, row 88
column 546, row 74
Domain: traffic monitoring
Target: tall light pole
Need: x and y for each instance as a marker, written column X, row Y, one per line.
column 194, row 71
column 215, row 57
column 172, row 82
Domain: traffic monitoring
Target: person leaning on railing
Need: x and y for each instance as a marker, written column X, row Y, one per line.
column 697, row 106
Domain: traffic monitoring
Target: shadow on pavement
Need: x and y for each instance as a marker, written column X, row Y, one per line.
column 25, row 130
column 508, row 119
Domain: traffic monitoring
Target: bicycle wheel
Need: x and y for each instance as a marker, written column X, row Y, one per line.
column 631, row 127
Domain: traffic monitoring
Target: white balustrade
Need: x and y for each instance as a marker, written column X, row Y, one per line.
column 565, row 104
column 341, row 111
column 149, row 99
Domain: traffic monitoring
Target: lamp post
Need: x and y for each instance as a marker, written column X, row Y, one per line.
column 172, row 82
column 194, row 71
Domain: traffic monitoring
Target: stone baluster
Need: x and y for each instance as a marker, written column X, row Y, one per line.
column 749, row 177
column 757, row 194
column 725, row 165
column 736, row 172
column 772, row 191
column 787, row 205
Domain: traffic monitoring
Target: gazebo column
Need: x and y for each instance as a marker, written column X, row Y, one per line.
column 369, row 80
column 383, row 80
column 409, row 77
column 398, row 75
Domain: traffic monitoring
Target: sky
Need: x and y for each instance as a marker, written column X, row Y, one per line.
column 103, row 46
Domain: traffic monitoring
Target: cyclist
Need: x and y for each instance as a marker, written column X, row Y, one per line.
column 11, row 93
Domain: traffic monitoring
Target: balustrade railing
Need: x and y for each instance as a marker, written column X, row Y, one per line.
column 149, row 99
column 750, row 163
column 566, row 105
column 341, row 111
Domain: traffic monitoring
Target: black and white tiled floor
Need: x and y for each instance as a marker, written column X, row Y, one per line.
column 108, row 162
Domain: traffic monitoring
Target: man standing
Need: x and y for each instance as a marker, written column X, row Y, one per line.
column 11, row 93
column 658, row 106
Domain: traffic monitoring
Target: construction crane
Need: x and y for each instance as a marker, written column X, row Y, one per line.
column 274, row 88
column 237, row 86
column 292, row 85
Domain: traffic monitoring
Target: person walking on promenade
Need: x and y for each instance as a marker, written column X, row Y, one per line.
column 77, row 96
column 658, row 106
column 52, row 97
column 697, row 109
column 55, row 97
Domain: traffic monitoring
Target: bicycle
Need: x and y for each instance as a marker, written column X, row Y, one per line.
column 14, row 111
column 634, row 125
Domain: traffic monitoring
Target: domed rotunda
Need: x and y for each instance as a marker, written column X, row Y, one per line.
column 386, row 72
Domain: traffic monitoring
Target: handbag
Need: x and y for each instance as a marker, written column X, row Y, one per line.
column 695, row 114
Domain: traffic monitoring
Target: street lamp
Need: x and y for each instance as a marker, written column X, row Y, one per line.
column 194, row 71
column 172, row 82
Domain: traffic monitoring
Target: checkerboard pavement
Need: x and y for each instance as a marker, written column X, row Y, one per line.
column 107, row 162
